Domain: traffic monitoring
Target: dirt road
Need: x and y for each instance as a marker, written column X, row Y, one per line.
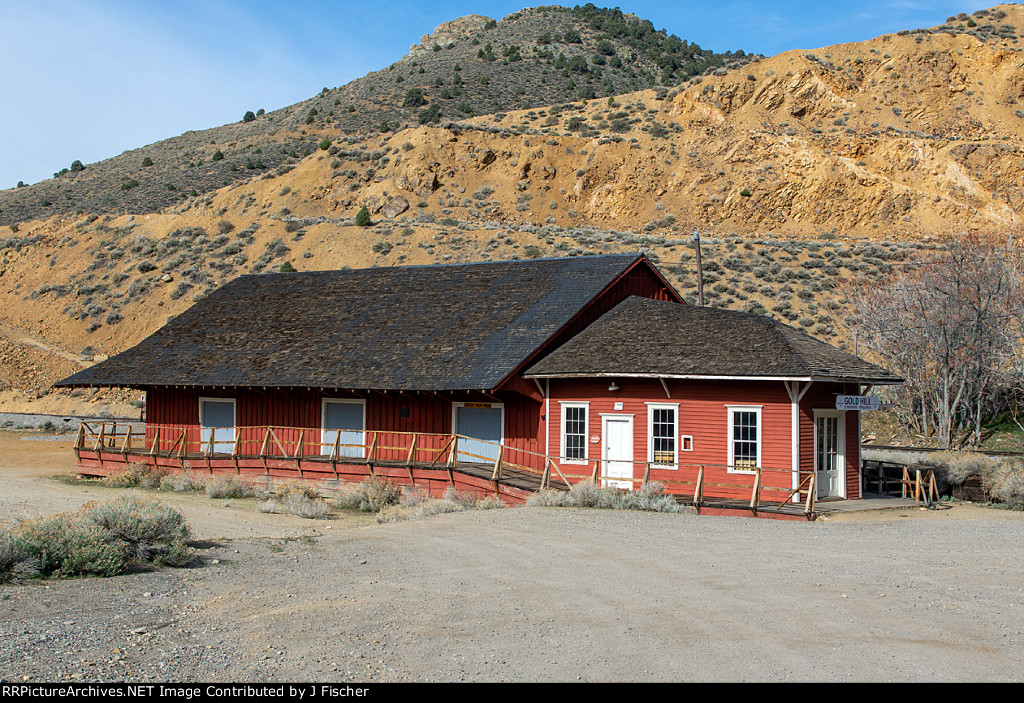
column 531, row 595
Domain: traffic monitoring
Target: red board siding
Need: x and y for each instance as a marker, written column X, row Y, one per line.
column 386, row 413
column 702, row 414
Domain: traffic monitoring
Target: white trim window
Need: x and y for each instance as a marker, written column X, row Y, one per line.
column 744, row 438
column 574, row 432
column 662, row 442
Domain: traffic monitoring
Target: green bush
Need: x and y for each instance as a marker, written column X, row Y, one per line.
column 325, row 144
column 249, row 117
column 217, row 155
column 363, row 217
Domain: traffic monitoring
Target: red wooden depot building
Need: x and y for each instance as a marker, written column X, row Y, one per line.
column 496, row 376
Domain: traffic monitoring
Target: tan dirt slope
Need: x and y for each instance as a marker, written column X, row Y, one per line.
column 904, row 138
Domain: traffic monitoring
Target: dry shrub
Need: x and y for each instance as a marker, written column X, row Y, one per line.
column 148, row 531
column 428, row 508
column 69, row 544
column 453, row 502
column 370, row 496
column 296, row 499
column 15, row 560
column 227, row 486
column 101, row 539
column 1005, row 483
column 953, row 467
column 587, row 494
column 184, row 482
column 137, row 475
column 548, row 498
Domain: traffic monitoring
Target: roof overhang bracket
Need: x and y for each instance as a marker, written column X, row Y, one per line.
column 665, row 386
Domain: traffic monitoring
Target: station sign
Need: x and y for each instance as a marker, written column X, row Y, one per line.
column 857, row 402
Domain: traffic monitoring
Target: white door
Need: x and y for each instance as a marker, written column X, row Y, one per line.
column 343, row 421
column 829, row 454
column 618, row 451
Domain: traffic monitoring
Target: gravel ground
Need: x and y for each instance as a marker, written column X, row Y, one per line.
column 529, row 594
column 509, row 596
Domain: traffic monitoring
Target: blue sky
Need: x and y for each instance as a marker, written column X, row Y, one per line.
column 88, row 80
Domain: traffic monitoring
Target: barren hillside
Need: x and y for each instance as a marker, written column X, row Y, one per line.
column 800, row 170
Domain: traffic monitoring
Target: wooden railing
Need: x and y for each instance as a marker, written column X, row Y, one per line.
column 447, row 451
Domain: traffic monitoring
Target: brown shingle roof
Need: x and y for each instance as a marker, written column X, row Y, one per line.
column 446, row 327
column 653, row 338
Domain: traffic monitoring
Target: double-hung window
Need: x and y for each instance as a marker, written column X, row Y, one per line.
column 574, row 432
column 744, row 438
column 662, row 430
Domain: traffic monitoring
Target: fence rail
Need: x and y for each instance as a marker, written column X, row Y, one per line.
column 436, row 450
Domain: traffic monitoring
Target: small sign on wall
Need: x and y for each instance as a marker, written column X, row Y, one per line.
column 595, row 439
column 618, row 405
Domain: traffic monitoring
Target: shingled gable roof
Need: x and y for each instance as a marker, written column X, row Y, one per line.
column 641, row 337
column 442, row 327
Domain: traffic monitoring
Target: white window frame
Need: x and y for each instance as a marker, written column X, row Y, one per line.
column 327, row 451
column 234, row 414
column 732, row 410
column 565, row 404
column 651, row 407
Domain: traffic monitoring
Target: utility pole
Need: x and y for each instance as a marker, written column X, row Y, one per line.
column 700, row 270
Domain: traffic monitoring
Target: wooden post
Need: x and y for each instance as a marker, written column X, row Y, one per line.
column 918, row 496
column 412, row 450
column 698, row 490
column 80, row 439
column 933, row 490
column 454, row 452
column 299, row 452
column 263, row 453
column 596, row 473
column 156, row 443
column 809, row 507
column 497, row 463
column 647, row 475
column 755, row 494
column 545, row 478
column 127, row 445
column 98, row 444
column 334, row 454
column 373, row 449
column 209, row 452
